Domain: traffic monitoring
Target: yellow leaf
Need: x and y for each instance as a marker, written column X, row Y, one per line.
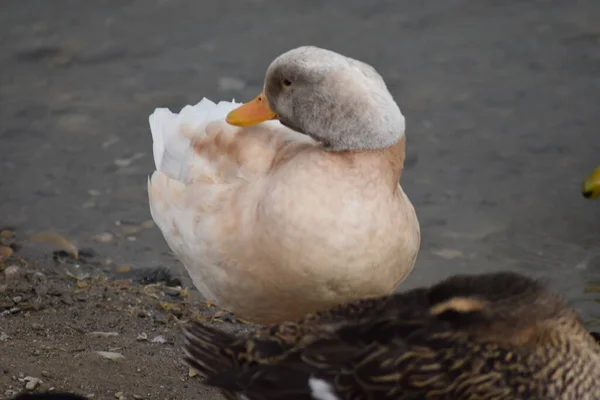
column 123, row 268
column 5, row 252
column 57, row 241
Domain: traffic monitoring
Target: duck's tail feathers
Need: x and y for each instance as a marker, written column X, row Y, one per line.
column 172, row 134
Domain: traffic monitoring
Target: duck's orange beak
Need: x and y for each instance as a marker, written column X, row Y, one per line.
column 251, row 113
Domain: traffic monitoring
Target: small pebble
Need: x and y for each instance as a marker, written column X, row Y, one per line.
column 173, row 292
column 12, row 272
column 54, row 291
column 67, row 300
column 87, row 252
column 142, row 337
column 6, row 303
column 38, row 278
column 45, row 374
column 37, row 327
column 81, row 297
column 17, row 299
column 161, row 319
column 110, row 355
column 159, row 339
column 103, row 334
column 104, row 237
column 177, row 312
column 32, row 383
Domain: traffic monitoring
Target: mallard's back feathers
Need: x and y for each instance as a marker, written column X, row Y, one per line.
column 496, row 336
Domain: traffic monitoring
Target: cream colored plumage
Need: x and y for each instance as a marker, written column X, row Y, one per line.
column 272, row 224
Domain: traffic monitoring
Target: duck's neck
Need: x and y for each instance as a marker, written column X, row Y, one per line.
column 387, row 163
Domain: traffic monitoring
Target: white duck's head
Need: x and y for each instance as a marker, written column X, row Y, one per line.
column 341, row 102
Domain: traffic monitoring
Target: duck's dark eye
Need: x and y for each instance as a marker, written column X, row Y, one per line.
column 286, row 82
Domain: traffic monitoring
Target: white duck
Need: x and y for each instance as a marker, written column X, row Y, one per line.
column 272, row 224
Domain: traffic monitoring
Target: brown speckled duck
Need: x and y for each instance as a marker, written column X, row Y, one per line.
column 495, row 336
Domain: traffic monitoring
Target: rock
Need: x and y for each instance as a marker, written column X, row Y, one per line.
column 67, row 300
column 3, row 337
column 45, row 374
column 6, row 303
column 448, row 254
column 38, row 278
column 3, row 288
column 160, row 339
column 87, row 252
column 81, row 297
column 54, row 291
column 105, row 237
column 161, row 318
column 157, row 275
column 88, row 204
column 142, row 314
column 12, row 272
column 17, row 299
column 103, row 334
column 37, row 327
column 110, row 355
column 177, row 312
column 173, row 292
column 32, row 383
column 142, row 337
column 119, row 395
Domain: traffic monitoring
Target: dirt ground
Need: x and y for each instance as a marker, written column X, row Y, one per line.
column 65, row 326
column 57, row 316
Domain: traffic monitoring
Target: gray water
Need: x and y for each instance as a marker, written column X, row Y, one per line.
column 501, row 98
